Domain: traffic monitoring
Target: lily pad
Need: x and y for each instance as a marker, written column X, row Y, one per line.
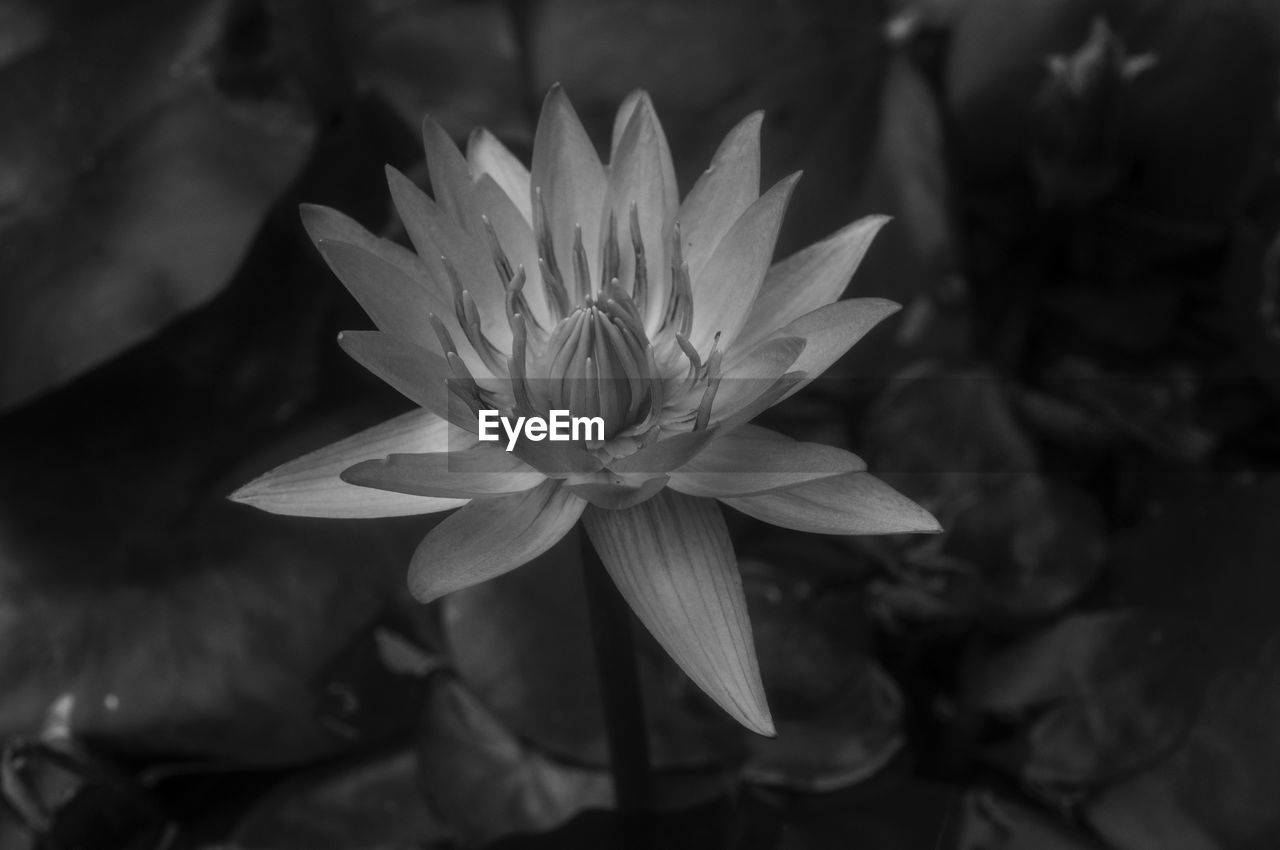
column 132, row 187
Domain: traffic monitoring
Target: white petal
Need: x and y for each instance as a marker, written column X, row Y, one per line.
column 809, row 279
column 567, row 169
column 857, row 503
column 756, row 460
column 489, row 156
column 672, row 559
column 489, row 537
column 727, row 287
column 722, row 194
column 310, row 485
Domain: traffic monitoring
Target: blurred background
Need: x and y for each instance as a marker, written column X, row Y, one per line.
column 1083, row 385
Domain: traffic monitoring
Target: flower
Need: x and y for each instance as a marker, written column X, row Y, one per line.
column 592, row 289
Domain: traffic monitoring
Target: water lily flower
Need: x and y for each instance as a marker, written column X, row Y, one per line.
column 590, row 288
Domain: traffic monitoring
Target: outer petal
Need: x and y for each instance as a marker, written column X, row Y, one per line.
column 809, row 279
column 831, row 331
column 327, row 224
column 467, row 474
column 310, row 485
column 489, row 156
column 756, row 460
column 420, row 375
column 640, row 172
column 857, row 503
column 434, row 235
column 567, row 169
column 755, row 374
column 489, row 537
column 672, row 559
column 722, row 194
column 450, row 175
column 397, row 303
column 726, row 289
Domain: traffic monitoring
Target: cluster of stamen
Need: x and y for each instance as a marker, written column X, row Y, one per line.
column 599, row 352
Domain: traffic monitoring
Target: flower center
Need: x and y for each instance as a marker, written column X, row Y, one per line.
column 598, row 357
column 597, row 362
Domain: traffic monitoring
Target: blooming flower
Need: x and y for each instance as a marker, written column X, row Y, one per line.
column 581, row 287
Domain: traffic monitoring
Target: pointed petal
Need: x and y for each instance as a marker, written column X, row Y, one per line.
column 489, row 537
column 639, row 99
column 450, row 175
column 726, row 289
column 435, row 234
column 327, row 224
column 467, row 474
column 665, row 454
column 311, row 486
column 722, row 194
column 756, row 460
column 809, row 279
column 777, row 391
column 831, row 331
column 420, row 375
column 397, row 303
column 673, row 561
column 567, row 169
column 857, row 503
column 640, row 172
column 489, row 156
column 755, row 374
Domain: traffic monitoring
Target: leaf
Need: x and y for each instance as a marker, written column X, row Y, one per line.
column 1017, row 544
column 460, row 63
column 484, row 781
column 1101, row 694
column 839, row 715
column 1207, row 559
column 991, row 821
column 373, row 803
column 172, row 178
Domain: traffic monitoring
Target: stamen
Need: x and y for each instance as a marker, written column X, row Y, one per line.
column 499, row 256
column 581, row 271
column 640, row 288
column 455, row 282
column 553, row 287
column 680, row 308
column 695, row 362
column 468, row 316
column 516, row 302
column 552, row 280
column 619, row 305
column 610, row 260
column 470, row 321
column 517, row 365
column 709, row 394
column 442, row 333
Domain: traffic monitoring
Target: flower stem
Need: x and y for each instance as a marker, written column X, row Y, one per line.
column 621, row 697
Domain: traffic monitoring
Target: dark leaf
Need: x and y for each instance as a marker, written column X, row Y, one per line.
column 374, row 804
column 838, row 714
column 1101, row 695
column 133, row 186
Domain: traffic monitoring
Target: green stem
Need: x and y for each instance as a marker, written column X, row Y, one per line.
column 621, row 697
